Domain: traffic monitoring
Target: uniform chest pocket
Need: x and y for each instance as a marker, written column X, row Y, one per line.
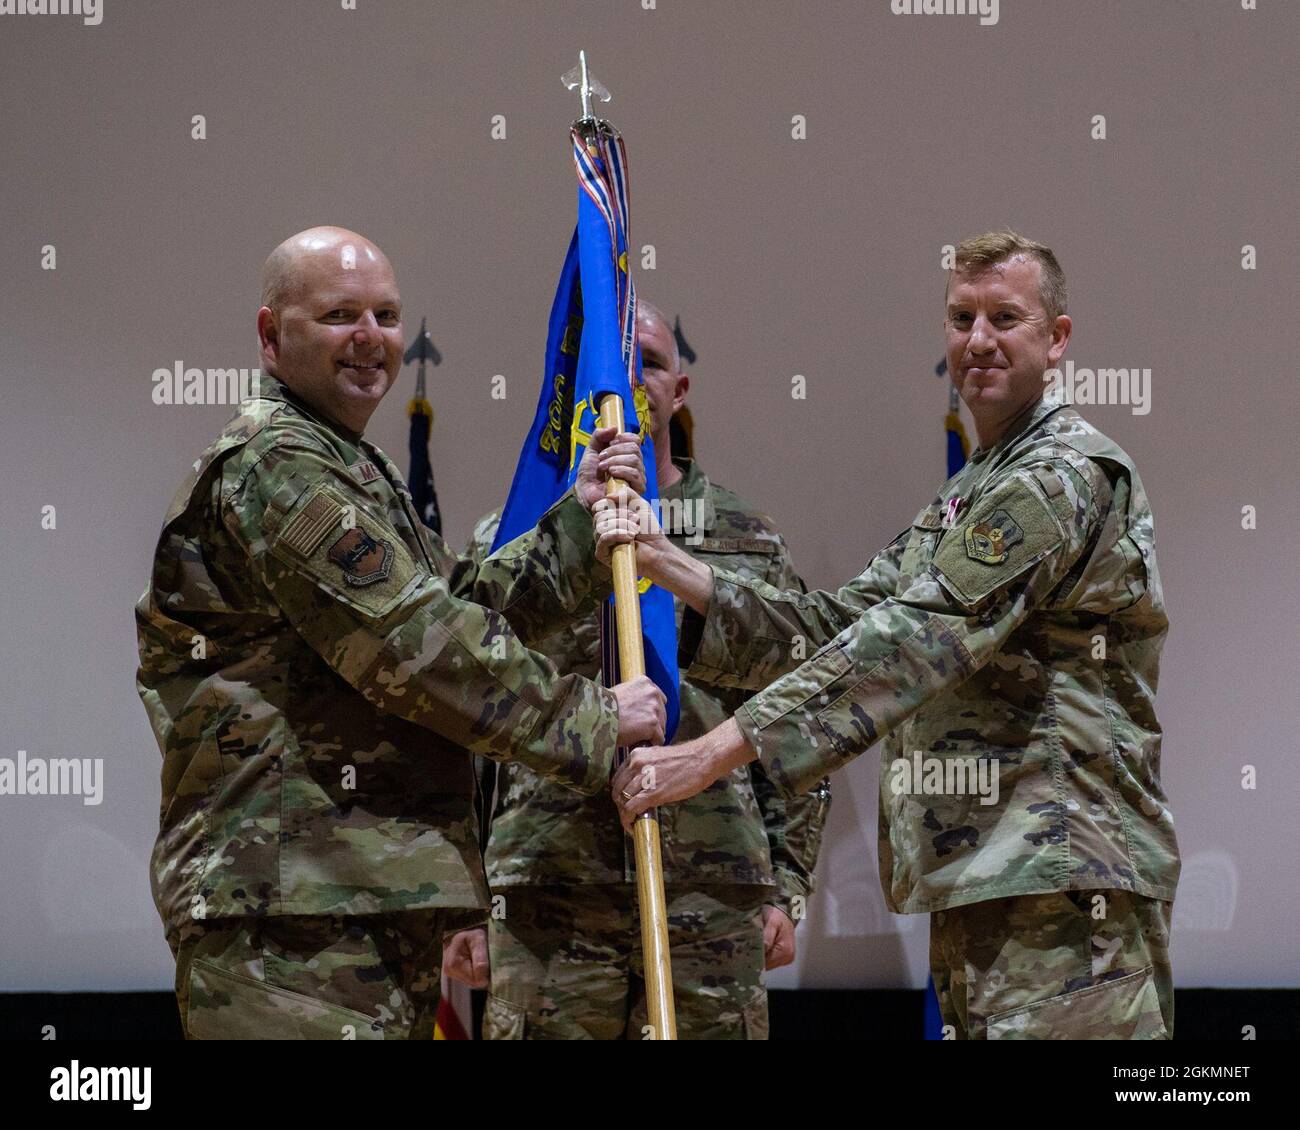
column 395, row 503
column 750, row 558
column 921, row 544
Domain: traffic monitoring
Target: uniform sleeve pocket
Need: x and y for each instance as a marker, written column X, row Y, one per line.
column 348, row 553
column 1005, row 535
column 804, row 683
column 853, row 720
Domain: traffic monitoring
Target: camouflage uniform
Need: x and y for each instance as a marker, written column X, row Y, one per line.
column 567, row 964
column 1068, row 965
column 303, row 977
column 314, row 671
column 565, row 957
column 1018, row 622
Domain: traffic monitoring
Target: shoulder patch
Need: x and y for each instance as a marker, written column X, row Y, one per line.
column 1009, row 530
column 990, row 539
column 351, row 553
column 364, row 559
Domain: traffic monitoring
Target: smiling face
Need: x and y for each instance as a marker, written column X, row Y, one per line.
column 331, row 323
column 1001, row 340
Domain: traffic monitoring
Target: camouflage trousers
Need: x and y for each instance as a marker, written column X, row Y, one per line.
column 566, row 964
column 325, row 977
column 1073, row 965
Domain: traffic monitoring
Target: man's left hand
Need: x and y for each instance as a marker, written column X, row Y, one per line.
column 778, row 938
column 655, row 775
column 611, row 455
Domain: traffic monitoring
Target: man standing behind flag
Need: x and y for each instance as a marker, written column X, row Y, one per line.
column 1013, row 631
column 738, row 859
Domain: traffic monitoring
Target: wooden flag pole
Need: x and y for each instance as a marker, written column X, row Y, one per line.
column 645, row 830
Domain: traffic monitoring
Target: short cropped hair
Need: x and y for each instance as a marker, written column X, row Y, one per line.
column 982, row 251
column 649, row 312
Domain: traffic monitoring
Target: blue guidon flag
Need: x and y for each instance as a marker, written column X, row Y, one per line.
column 592, row 351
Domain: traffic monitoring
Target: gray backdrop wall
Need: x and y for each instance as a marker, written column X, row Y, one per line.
column 818, row 257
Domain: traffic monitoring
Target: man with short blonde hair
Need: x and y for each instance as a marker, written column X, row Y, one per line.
column 980, row 252
column 1016, row 625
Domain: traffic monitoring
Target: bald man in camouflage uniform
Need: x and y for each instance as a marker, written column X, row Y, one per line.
column 315, row 663
column 564, row 944
column 1014, row 627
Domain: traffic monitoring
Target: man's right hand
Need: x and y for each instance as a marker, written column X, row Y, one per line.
column 465, row 957
column 642, row 714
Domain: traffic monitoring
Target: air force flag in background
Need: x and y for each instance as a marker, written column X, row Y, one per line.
column 591, row 351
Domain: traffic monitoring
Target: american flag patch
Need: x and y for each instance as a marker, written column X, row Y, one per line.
column 309, row 527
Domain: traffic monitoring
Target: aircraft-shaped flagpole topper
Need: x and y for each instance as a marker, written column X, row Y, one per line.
column 422, row 350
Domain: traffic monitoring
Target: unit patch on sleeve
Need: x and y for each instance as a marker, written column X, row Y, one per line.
column 345, row 549
column 363, row 559
column 990, row 539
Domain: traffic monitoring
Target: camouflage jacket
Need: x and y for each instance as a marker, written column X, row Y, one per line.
column 314, row 671
column 1014, row 629
column 740, row 829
